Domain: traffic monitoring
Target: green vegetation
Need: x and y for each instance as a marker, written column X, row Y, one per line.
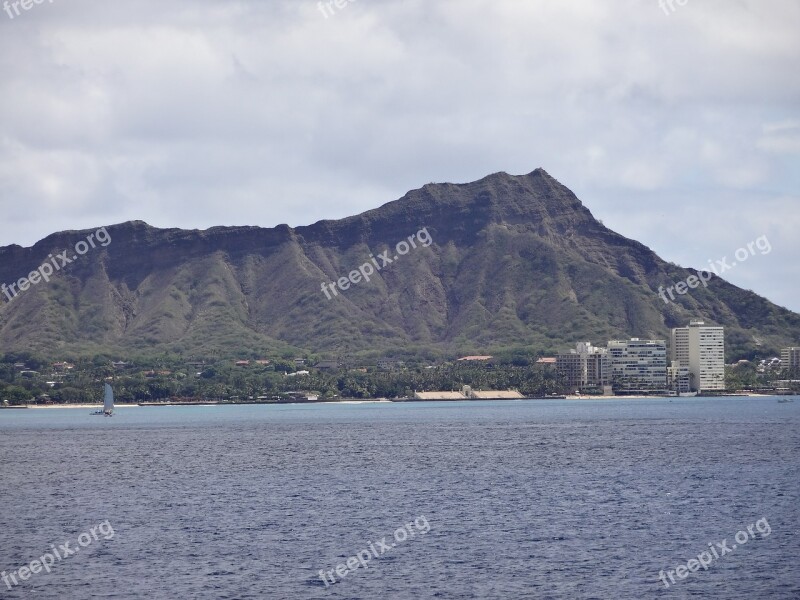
column 26, row 378
column 747, row 377
column 168, row 377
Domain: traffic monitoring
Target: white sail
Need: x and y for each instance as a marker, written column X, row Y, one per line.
column 108, row 399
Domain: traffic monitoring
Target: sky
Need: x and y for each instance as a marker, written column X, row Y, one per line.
column 677, row 125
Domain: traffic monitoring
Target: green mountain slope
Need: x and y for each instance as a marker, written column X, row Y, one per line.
column 515, row 262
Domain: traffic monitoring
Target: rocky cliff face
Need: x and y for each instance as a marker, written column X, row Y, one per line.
column 510, row 262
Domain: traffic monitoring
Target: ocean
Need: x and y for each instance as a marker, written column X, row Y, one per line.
column 604, row 498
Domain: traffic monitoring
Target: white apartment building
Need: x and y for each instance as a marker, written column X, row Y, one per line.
column 638, row 365
column 678, row 378
column 584, row 367
column 702, row 349
column 790, row 359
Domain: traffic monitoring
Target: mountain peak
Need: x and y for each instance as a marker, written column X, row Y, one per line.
column 506, row 261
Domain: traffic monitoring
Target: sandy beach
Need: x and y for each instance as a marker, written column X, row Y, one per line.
column 90, row 406
column 359, row 401
column 574, row 397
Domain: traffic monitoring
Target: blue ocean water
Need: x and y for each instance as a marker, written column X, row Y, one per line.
column 524, row 499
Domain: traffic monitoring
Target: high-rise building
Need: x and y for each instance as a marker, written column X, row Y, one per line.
column 638, row 365
column 678, row 378
column 584, row 367
column 702, row 349
column 790, row 359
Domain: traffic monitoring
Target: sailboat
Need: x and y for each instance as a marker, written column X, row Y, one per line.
column 108, row 402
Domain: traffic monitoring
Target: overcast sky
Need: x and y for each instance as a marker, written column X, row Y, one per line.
column 680, row 129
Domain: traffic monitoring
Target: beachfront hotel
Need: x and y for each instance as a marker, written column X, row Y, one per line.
column 702, row 349
column 585, row 367
column 790, row 360
column 638, row 365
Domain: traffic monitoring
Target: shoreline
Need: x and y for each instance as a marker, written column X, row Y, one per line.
column 90, row 406
column 369, row 401
column 748, row 395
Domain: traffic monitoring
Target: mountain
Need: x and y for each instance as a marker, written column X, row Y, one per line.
column 503, row 263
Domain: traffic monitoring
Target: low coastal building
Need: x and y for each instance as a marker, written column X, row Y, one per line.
column 769, row 365
column 467, row 393
column 495, row 395
column 299, row 396
column 327, row 365
column 439, row 396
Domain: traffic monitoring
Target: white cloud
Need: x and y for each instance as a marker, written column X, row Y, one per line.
column 781, row 138
column 199, row 113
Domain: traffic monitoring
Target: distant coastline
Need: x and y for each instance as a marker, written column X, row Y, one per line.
column 376, row 401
